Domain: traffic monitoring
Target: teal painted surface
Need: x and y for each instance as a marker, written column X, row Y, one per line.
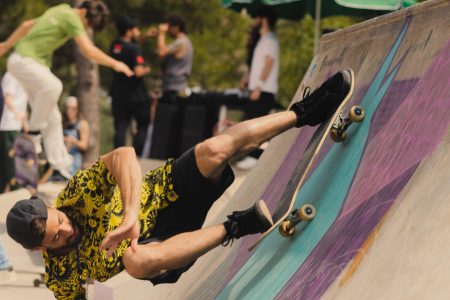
column 276, row 259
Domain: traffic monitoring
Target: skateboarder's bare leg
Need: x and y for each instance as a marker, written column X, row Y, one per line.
column 153, row 259
column 213, row 154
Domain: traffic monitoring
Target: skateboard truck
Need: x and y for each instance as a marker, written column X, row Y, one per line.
column 306, row 213
column 338, row 131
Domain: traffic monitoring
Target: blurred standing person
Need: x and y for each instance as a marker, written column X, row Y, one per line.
column 12, row 121
column 252, row 41
column 76, row 133
column 176, row 57
column 263, row 78
column 7, row 273
column 130, row 98
column 35, row 41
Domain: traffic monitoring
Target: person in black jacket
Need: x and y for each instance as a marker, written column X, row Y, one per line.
column 129, row 94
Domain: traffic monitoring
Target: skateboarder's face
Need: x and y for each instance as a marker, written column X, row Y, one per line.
column 60, row 232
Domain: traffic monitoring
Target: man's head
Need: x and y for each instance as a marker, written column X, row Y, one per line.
column 38, row 227
column 176, row 25
column 96, row 13
column 128, row 28
column 266, row 15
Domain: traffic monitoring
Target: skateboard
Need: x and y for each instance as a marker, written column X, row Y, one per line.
column 286, row 217
column 37, row 281
column 26, row 162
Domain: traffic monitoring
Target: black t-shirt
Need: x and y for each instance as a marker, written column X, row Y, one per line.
column 132, row 88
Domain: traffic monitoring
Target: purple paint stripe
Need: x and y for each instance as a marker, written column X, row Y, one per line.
column 409, row 135
column 341, row 243
column 395, row 96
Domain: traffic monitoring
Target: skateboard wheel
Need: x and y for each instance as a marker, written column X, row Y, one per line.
column 307, row 212
column 357, row 114
column 36, row 283
column 286, row 229
column 338, row 137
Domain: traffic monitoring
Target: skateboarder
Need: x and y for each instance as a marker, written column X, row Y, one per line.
column 108, row 219
column 34, row 43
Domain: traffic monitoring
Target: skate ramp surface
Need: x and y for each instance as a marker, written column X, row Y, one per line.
column 381, row 228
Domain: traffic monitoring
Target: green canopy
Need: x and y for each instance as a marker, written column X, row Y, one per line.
column 388, row 5
column 296, row 9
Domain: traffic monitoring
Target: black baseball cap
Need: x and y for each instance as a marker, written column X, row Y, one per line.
column 124, row 23
column 18, row 221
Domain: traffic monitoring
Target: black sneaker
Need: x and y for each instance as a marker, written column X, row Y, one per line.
column 316, row 107
column 256, row 219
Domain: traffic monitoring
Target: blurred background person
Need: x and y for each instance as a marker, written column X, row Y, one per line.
column 252, row 39
column 176, row 58
column 7, row 274
column 35, row 42
column 130, row 98
column 76, row 133
column 12, row 121
column 263, row 77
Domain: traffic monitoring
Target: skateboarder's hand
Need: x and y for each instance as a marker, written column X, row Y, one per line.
column 129, row 229
column 122, row 68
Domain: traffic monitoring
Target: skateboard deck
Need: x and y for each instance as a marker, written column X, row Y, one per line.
column 284, row 211
column 26, row 162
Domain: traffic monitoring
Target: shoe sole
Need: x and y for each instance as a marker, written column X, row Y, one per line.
column 348, row 76
column 264, row 211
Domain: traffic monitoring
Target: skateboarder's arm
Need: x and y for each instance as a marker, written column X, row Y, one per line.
column 19, row 33
column 123, row 165
column 92, row 52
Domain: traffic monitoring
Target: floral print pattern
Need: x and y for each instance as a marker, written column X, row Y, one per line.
column 92, row 200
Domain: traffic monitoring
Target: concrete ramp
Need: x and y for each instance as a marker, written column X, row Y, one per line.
column 382, row 229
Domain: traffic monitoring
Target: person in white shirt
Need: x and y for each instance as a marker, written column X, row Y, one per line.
column 12, row 120
column 263, row 77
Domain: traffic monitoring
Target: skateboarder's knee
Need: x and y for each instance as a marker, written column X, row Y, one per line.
column 214, row 149
column 144, row 263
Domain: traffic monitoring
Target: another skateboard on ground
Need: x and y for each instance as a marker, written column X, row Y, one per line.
column 286, row 217
column 39, row 279
column 26, row 162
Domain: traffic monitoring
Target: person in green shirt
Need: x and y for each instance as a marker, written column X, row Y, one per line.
column 34, row 43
